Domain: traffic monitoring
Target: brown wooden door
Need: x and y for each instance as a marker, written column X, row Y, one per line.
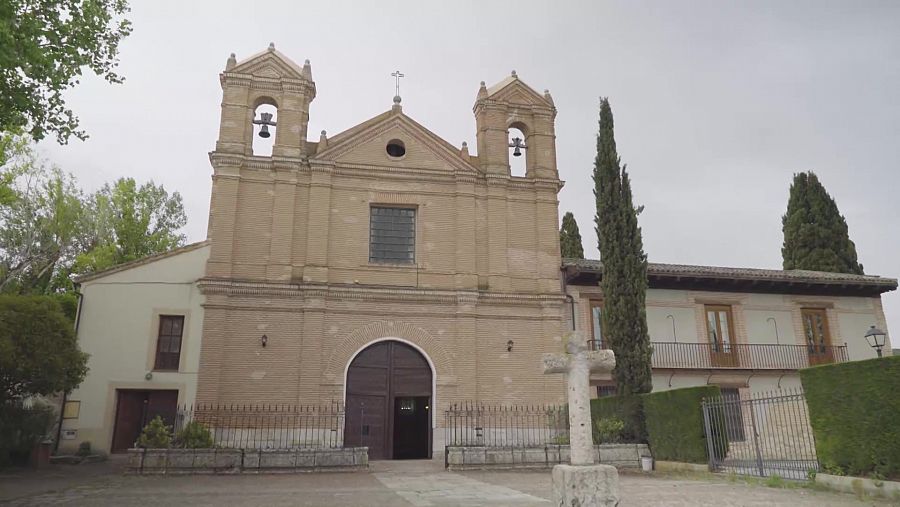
column 378, row 377
column 720, row 330
column 135, row 408
column 818, row 339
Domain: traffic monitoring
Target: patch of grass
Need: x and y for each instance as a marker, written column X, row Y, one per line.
column 775, row 481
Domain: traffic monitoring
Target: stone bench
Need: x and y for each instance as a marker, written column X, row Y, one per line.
column 468, row 458
column 221, row 461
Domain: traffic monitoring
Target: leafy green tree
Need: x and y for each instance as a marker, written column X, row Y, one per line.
column 39, row 354
column 49, row 229
column 624, row 279
column 13, row 145
column 131, row 222
column 570, row 239
column 816, row 237
column 45, row 49
column 42, row 223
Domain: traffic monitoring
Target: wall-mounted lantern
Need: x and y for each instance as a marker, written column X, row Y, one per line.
column 875, row 337
column 509, row 345
column 264, row 340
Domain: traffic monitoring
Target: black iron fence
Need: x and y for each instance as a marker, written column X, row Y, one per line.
column 268, row 426
column 766, row 434
column 475, row 424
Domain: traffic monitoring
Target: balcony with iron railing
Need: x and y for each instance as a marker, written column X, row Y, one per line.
column 743, row 356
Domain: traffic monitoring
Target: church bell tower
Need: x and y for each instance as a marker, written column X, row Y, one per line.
column 513, row 104
column 267, row 78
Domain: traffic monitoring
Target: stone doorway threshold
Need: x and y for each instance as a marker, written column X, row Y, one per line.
column 407, row 466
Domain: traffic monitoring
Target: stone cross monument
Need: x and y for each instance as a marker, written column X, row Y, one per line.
column 583, row 482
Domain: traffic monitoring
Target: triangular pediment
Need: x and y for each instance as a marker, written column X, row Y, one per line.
column 367, row 144
column 270, row 63
column 513, row 90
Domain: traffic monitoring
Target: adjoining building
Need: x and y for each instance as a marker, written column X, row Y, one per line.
column 746, row 330
column 387, row 270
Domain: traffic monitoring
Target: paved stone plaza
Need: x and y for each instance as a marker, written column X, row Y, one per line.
column 420, row 483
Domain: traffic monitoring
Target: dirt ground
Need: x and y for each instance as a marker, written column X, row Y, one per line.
column 386, row 484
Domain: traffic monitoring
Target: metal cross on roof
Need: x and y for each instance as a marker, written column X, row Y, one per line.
column 397, row 75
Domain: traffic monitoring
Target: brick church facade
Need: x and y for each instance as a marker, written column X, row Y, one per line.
column 388, row 270
column 304, row 249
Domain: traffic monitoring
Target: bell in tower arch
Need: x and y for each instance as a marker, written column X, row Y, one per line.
column 264, row 121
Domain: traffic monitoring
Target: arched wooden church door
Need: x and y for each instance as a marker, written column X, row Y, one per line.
column 388, row 405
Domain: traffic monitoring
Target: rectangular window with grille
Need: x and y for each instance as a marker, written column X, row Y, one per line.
column 392, row 235
column 168, row 343
column 606, row 390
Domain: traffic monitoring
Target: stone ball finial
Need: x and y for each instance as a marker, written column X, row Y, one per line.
column 324, row 133
column 465, row 144
column 482, row 84
column 513, row 74
column 271, row 46
column 397, row 99
column 306, row 62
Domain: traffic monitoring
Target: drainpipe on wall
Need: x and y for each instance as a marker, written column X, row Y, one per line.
column 569, row 298
column 62, row 407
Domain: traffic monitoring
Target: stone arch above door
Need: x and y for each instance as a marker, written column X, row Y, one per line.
column 345, row 348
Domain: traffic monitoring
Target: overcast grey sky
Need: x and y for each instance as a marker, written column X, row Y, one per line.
column 716, row 104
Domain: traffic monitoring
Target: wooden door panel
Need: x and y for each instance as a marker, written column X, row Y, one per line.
column 404, row 356
column 129, row 419
column 376, row 355
column 366, row 424
column 376, row 378
column 163, row 404
column 410, row 382
column 368, row 380
column 817, row 335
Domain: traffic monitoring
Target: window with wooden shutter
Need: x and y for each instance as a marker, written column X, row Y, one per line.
column 168, row 343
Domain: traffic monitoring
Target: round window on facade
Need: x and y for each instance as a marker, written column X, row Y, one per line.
column 396, row 148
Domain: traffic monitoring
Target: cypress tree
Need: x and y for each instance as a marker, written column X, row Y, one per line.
column 569, row 238
column 816, row 237
column 624, row 279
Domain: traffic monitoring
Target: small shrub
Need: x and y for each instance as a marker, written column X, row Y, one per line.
column 775, row 481
column 21, row 428
column 155, row 435
column 194, row 435
column 560, row 440
column 84, row 448
column 628, row 409
column 609, row 429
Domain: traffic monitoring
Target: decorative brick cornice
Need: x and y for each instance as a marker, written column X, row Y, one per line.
column 229, row 287
column 219, row 160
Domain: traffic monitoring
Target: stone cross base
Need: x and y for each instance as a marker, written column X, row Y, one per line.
column 585, row 486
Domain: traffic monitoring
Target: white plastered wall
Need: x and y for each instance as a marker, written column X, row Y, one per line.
column 118, row 328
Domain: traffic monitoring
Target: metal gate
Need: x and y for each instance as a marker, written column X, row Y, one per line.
column 765, row 434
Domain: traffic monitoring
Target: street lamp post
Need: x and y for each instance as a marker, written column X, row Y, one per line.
column 875, row 337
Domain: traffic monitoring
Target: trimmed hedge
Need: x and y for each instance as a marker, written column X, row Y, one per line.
column 674, row 421
column 628, row 409
column 854, row 409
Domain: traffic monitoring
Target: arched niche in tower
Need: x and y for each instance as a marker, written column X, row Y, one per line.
column 517, row 136
column 265, row 124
